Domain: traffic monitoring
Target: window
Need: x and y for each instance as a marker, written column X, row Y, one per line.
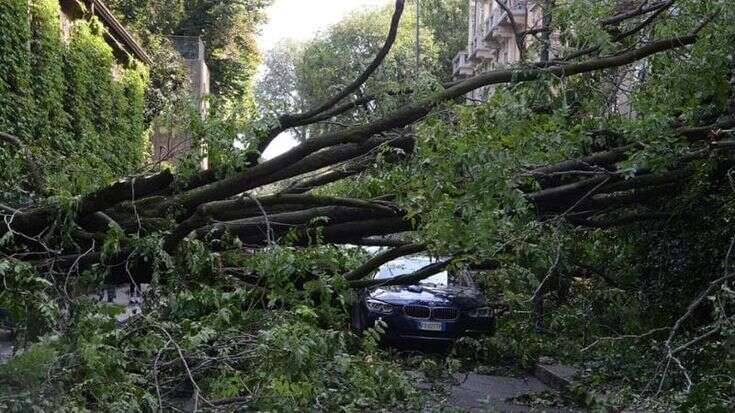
column 407, row 265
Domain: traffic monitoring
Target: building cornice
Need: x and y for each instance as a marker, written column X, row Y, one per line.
column 116, row 30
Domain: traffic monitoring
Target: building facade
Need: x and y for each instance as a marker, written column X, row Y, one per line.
column 117, row 37
column 168, row 142
column 491, row 42
column 191, row 49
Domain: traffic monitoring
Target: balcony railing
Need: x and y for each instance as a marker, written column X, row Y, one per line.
column 518, row 5
column 459, row 59
column 514, row 5
column 481, row 49
column 461, row 65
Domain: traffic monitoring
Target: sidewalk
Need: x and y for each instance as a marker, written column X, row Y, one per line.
column 122, row 297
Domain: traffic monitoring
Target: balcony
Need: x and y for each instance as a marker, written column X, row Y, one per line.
column 517, row 7
column 481, row 49
column 462, row 66
column 493, row 35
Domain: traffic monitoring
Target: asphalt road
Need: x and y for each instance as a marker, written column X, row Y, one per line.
column 480, row 393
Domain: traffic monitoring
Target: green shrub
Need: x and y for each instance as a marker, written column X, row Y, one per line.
column 28, row 369
column 303, row 366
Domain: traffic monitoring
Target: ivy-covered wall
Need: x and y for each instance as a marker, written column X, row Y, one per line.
column 84, row 125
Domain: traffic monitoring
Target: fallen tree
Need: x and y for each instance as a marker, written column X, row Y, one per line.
column 208, row 207
column 272, row 235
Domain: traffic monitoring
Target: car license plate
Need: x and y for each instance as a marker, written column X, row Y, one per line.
column 430, row 326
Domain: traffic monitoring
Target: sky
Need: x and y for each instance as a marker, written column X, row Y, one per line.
column 301, row 20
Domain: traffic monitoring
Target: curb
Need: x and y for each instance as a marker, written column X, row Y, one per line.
column 555, row 375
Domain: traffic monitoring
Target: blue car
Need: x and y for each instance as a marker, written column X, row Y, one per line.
column 440, row 309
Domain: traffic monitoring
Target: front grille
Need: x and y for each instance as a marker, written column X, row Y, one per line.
column 417, row 311
column 439, row 313
column 444, row 313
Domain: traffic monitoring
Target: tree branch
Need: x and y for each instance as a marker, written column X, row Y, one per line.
column 246, row 208
column 641, row 10
column 380, row 259
column 519, row 35
column 337, row 174
column 350, row 231
column 395, row 21
column 405, row 279
column 264, row 173
column 124, row 190
column 291, row 120
column 251, row 230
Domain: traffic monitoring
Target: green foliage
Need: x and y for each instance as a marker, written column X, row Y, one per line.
column 103, row 109
column 168, row 79
column 84, row 124
column 465, row 187
column 448, row 22
column 302, row 76
column 307, row 279
column 48, row 77
column 270, row 326
column 15, row 68
column 228, row 29
column 295, row 354
column 27, row 370
column 216, row 132
column 29, row 297
column 15, row 102
column 309, row 367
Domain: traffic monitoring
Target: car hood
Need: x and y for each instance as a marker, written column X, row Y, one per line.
column 461, row 297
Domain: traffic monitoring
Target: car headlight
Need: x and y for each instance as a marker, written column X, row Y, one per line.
column 379, row 307
column 481, row 312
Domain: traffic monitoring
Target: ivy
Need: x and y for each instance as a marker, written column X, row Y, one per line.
column 14, row 68
column 14, row 83
column 51, row 126
column 80, row 112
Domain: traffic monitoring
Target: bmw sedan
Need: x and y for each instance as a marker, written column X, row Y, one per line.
column 441, row 308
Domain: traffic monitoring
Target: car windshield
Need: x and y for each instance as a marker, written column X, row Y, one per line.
column 408, row 265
